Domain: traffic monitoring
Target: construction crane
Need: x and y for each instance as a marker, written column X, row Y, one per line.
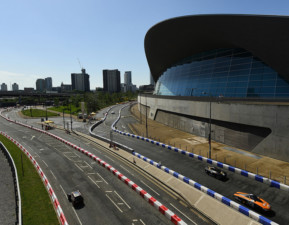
column 79, row 64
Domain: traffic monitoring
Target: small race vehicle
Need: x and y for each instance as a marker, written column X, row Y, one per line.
column 215, row 172
column 252, row 200
column 76, row 198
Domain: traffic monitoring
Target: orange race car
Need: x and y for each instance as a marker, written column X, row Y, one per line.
column 252, row 201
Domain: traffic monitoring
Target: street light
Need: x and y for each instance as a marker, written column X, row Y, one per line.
column 210, row 125
column 70, row 115
column 146, row 118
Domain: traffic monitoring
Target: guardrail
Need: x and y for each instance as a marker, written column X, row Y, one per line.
column 49, row 189
column 16, row 183
column 196, row 185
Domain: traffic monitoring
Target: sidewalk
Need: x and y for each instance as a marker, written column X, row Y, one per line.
column 259, row 164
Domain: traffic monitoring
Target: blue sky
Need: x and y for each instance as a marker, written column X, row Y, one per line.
column 44, row 38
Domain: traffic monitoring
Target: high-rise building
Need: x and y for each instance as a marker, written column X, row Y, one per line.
column 3, row 87
column 48, row 83
column 40, row 85
column 15, row 87
column 111, row 81
column 127, row 78
column 80, row 81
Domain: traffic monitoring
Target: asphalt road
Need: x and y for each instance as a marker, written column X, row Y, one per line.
column 194, row 169
column 107, row 199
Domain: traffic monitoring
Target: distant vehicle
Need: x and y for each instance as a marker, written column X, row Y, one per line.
column 252, row 200
column 112, row 112
column 215, row 172
column 76, row 198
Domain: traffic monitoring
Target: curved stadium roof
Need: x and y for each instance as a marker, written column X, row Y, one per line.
column 267, row 37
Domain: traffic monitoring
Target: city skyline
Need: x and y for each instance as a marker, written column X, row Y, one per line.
column 47, row 38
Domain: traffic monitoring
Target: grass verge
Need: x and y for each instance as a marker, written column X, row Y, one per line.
column 37, row 113
column 37, row 207
column 74, row 110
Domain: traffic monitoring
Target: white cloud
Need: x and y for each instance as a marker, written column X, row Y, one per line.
column 23, row 80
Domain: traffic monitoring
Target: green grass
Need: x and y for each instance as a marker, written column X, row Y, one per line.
column 74, row 110
column 37, row 113
column 37, row 207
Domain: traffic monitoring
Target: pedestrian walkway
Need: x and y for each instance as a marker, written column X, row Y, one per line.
column 7, row 194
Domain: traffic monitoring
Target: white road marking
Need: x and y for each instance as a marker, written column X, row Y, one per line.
column 183, row 214
column 88, row 164
column 36, row 155
column 63, row 191
column 150, row 188
column 102, row 178
column 91, row 173
column 122, row 199
column 93, row 181
column 32, row 138
column 142, row 222
column 108, row 191
column 53, row 175
column 113, row 203
column 78, row 167
column 44, row 163
column 76, row 216
column 41, row 149
column 126, row 170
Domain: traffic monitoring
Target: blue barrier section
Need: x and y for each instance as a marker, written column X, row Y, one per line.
column 128, row 135
column 152, row 162
column 152, row 142
column 220, row 164
column 200, row 157
column 226, row 201
column 167, row 170
column 147, row 140
column 183, row 152
column 169, row 147
column 231, row 168
column 191, row 155
column 157, row 143
column 209, row 161
column 145, row 158
column 142, row 138
column 259, row 178
column 244, row 173
column 163, row 145
column 133, row 135
column 197, row 185
column 264, row 220
column 137, row 137
column 176, row 174
column 176, row 150
column 138, row 155
column 211, row 193
column 187, row 180
column 244, row 210
column 159, row 166
column 275, row 184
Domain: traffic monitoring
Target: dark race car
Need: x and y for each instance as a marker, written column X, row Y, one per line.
column 215, row 172
column 252, row 200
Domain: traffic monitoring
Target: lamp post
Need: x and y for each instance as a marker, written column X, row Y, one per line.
column 210, row 125
column 70, row 115
column 63, row 118
column 146, row 118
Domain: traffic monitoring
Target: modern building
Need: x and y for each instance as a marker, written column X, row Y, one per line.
column 127, row 78
column 4, row 87
column 230, row 71
column 111, row 81
column 48, row 83
column 66, row 87
column 40, row 85
column 28, row 89
column 80, row 81
column 15, row 87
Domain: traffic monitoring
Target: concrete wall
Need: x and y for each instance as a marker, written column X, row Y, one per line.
column 260, row 128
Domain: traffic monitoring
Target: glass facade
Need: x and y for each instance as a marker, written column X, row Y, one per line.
column 222, row 72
